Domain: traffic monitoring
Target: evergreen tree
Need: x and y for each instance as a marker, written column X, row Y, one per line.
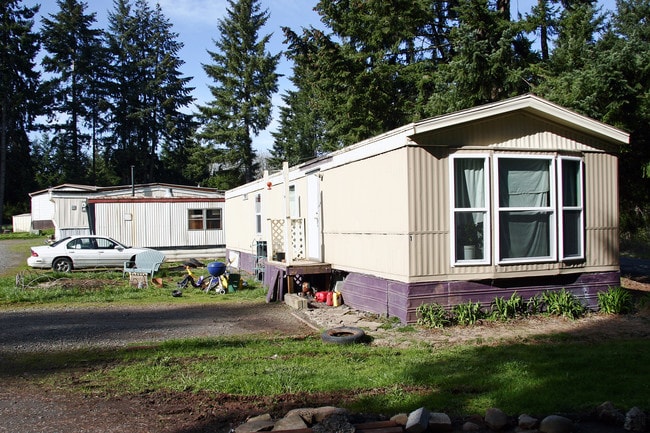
column 491, row 59
column 19, row 103
column 244, row 82
column 71, row 61
column 148, row 91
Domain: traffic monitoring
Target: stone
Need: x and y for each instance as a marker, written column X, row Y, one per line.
column 321, row 413
column 400, row 418
column 635, row 420
column 496, row 419
column 608, row 413
column 418, row 421
column 527, row 422
column 439, row 422
column 291, row 422
column 335, row 423
column 556, row 424
column 470, row 426
column 255, row 424
column 295, row 301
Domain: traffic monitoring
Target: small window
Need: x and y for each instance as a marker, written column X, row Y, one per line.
column 572, row 219
column 258, row 214
column 204, row 219
column 470, row 216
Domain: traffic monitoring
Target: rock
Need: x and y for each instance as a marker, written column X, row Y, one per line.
column 256, row 424
column 635, row 420
column 335, row 423
column 495, row 419
column 608, row 413
column 321, row 413
column 470, row 426
column 556, row 424
column 418, row 421
column 400, row 418
column 290, row 422
column 439, row 422
column 526, row 422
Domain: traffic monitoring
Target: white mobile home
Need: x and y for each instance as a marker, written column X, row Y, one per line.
column 519, row 195
column 182, row 221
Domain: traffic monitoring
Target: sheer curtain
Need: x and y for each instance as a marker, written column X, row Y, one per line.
column 469, row 184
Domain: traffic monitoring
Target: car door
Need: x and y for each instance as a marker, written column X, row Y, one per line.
column 83, row 252
column 110, row 253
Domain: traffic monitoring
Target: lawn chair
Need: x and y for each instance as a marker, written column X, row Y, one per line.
column 146, row 262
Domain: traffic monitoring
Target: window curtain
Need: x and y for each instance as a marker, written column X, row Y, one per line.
column 469, row 192
column 524, row 184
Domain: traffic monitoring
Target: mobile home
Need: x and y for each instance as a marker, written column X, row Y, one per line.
column 518, row 195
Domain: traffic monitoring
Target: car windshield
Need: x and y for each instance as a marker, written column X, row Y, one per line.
column 53, row 244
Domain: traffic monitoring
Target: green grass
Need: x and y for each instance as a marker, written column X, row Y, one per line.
column 539, row 377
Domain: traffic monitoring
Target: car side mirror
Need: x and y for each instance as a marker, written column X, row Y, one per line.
column 119, row 248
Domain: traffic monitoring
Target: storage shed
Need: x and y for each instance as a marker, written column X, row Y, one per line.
column 518, row 195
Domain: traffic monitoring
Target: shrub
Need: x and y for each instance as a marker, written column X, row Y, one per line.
column 506, row 309
column 468, row 313
column 432, row 315
column 616, row 300
column 563, row 303
column 534, row 305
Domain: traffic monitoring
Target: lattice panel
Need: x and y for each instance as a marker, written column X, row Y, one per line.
column 277, row 236
column 298, row 238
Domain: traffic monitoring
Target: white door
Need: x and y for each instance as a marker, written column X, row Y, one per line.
column 313, row 220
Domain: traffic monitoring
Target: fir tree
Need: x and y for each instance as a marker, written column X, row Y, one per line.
column 71, row 60
column 244, row 81
column 19, row 102
column 148, row 91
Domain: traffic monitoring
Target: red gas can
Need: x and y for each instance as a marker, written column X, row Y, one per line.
column 321, row 296
column 330, row 298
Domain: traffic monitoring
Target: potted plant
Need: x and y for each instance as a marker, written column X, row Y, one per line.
column 470, row 237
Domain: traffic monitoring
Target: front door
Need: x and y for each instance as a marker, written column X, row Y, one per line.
column 313, row 220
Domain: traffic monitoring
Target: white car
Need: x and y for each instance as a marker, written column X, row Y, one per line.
column 85, row 251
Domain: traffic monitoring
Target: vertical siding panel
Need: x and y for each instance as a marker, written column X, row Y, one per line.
column 428, row 226
column 601, row 208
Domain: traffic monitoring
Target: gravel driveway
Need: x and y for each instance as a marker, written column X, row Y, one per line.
column 62, row 328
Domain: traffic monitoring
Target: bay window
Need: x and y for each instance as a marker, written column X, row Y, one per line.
column 537, row 204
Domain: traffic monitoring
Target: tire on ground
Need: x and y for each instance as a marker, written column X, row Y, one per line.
column 343, row 335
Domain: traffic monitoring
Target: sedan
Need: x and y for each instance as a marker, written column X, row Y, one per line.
column 86, row 251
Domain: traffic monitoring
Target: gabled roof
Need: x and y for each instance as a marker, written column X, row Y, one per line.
column 531, row 104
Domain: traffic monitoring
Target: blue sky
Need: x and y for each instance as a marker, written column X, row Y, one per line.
column 195, row 21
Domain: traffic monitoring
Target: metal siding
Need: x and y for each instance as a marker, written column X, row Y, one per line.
column 429, row 215
column 601, row 208
column 155, row 224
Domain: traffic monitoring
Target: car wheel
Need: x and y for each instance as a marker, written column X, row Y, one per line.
column 343, row 335
column 62, row 264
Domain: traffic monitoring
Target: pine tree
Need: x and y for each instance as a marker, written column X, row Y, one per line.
column 19, row 101
column 147, row 90
column 71, row 61
column 244, row 81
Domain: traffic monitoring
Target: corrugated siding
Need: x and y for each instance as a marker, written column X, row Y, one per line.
column 429, row 199
column 155, row 224
column 429, row 216
column 602, row 217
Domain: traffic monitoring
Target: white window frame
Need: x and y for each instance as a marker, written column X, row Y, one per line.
column 486, row 209
column 552, row 209
column 258, row 213
column 563, row 208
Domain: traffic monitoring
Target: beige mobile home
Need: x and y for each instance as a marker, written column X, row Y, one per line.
column 519, row 195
